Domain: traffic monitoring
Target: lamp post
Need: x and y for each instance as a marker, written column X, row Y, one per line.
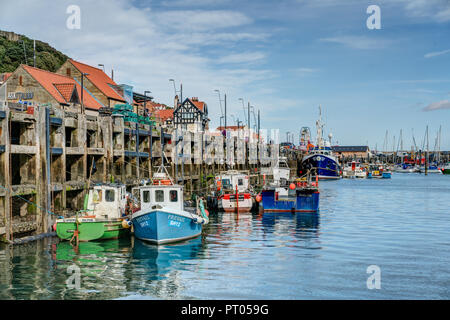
column 24, row 52
column 243, row 107
column 82, row 91
column 175, row 89
column 220, row 103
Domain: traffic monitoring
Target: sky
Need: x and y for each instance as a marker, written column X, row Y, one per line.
column 285, row 57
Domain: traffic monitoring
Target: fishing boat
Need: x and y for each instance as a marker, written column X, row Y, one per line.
column 302, row 195
column 431, row 169
column 321, row 157
column 446, row 169
column 233, row 192
column 278, row 174
column 354, row 169
column 104, row 216
column 378, row 171
column 406, row 168
column 162, row 216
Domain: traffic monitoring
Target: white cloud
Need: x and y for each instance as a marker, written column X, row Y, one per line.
column 438, row 53
column 146, row 47
column 244, row 57
column 358, row 42
column 444, row 104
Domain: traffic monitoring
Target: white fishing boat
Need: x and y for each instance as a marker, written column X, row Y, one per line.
column 354, row 169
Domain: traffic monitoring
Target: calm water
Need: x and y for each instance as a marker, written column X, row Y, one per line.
column 401, row 225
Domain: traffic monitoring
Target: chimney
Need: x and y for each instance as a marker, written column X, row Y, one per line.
column 112, row 74
column 176, row 101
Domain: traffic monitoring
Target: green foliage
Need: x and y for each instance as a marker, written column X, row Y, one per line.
column 12, row 55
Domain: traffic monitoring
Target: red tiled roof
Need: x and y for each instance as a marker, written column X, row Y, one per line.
column 100, row 79
column 199, row 104
column 231, row 128
column 58, row 86
column 163, row 115
column 65, row 89
column 5, row 76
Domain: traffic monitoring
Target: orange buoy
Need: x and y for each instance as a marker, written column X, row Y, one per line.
column 207, row 212
column 258, row 198
column 54, row 227
column 292, row 186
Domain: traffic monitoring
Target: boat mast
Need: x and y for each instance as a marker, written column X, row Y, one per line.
column 426, row 157
column 319, row 127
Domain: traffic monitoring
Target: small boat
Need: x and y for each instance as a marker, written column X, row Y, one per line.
column 406, row 168
column 446, row 169
column 301, row 195
column 278, row 174
column 431, row 169
column 162, row 216
column 378, row 171
column 103, row 217
column 233, row 194
column 353, row 170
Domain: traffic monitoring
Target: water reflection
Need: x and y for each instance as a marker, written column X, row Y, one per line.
column 300, row 226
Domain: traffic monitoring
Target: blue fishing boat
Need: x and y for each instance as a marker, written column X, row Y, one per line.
column 321, row 157
column 161, row 217
column 298, row 196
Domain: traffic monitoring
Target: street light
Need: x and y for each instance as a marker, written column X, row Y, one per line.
column 25, row 53
column 243, row 107
column 145, row 101
column 82, row 91
column 225, row 102
column 175, row 89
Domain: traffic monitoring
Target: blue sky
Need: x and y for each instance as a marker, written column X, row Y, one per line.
column 285, row 57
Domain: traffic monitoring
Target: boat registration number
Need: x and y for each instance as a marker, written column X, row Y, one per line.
column 175, row 221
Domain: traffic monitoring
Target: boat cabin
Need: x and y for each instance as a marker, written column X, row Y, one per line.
column 106, row 201
column 161, row 192
column 229, row 180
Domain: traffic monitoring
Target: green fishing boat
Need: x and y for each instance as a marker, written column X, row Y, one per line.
column 446, row 169
column 103, row 217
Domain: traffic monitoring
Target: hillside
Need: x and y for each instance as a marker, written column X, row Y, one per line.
column 12, row 53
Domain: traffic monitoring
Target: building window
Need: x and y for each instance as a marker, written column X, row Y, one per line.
column 68, row 72
column 20, row 81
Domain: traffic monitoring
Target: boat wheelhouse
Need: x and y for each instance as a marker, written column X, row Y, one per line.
column 103, row 217
column 233, row 192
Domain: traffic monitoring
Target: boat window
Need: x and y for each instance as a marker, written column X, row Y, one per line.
column 96, row 196
column 109, row 195
column 226, row 183
column 146, row 196
column 159, row 195
column 173, row 195
column 240, row 182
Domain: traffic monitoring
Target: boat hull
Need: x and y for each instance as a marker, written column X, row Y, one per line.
column 303, row 201
column 327, row 166
column 160, row 226
column 90, row 229
column 229, row 204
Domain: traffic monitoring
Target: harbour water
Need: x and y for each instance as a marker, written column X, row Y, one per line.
column 400, row 225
